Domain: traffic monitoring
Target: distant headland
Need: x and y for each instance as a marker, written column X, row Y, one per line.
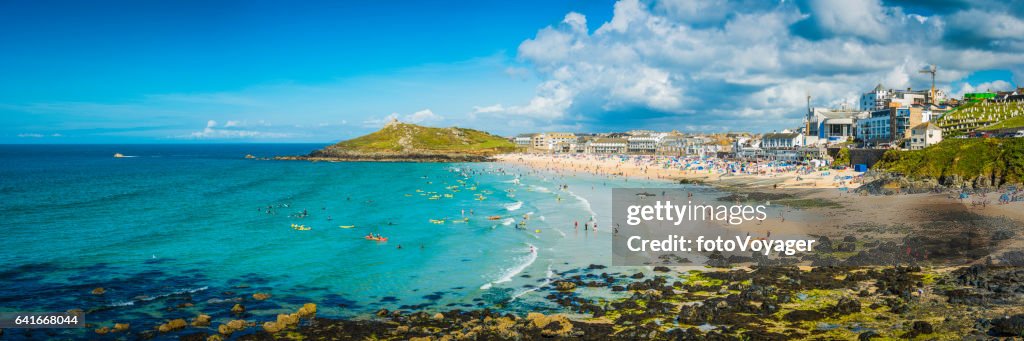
column 405, row 142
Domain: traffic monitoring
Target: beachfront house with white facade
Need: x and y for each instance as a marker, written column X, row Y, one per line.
column 924, row 135
column 646, row 143
column 781, row 146
column 607, row 145
column 783, row 140
column 745, row 147
column 523, row 140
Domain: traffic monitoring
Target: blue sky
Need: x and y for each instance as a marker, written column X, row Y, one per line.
column 253, row 71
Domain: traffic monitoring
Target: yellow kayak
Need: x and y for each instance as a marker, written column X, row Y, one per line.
column 437, row 221
column 347, row 226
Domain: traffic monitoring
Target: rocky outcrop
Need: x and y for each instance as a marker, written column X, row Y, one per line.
column 1008, row 326
column 231, row 327
column 201, row 321
column 172, row 325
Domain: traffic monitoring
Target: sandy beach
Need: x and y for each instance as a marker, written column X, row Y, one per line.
column 819, row 202
column 763, row 174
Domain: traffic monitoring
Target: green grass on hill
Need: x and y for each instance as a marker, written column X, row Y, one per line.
column 973, row 116
column 1013, row 122
column 393, row 137
column 968, row 158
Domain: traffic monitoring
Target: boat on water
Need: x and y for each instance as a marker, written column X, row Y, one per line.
column 347, row 226
column 301, row 227
column 494, row 217
column 437, row 221
column 118, row 155
column 378, row 239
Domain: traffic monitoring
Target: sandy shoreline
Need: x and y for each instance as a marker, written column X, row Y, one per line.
column 826, row 209
column 690, row 169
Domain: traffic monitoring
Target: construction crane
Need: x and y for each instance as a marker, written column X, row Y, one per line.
column 930, row 69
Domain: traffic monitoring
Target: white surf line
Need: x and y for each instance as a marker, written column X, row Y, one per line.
column 150, row 298
column 547, row 280
column 586, row 203
column 514, row 206
column 512, row 272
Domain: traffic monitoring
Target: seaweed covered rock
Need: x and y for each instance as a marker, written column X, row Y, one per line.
column 172, row 325
column 1008, row 326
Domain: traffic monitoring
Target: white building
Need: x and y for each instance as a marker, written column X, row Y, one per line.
column 924, row 135
column 823, row 126
column 523, row 140
column 644, row 143
column 747, row 147
column 783, row 140
column 880, row 98
column 607, row 146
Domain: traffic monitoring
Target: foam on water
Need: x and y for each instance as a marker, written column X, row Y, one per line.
column 150, row 298
column 525, row 262
column 514, row 206
column 549, row 275
column 585, row 202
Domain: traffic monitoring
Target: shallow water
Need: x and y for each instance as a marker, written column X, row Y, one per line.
column 189, row 223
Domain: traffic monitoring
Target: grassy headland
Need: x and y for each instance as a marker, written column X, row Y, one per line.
column 409, row 142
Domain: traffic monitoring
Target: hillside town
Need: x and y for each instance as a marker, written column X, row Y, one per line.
column 884, row 119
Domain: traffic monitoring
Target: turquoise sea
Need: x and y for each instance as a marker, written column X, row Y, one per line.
column 171, row 231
